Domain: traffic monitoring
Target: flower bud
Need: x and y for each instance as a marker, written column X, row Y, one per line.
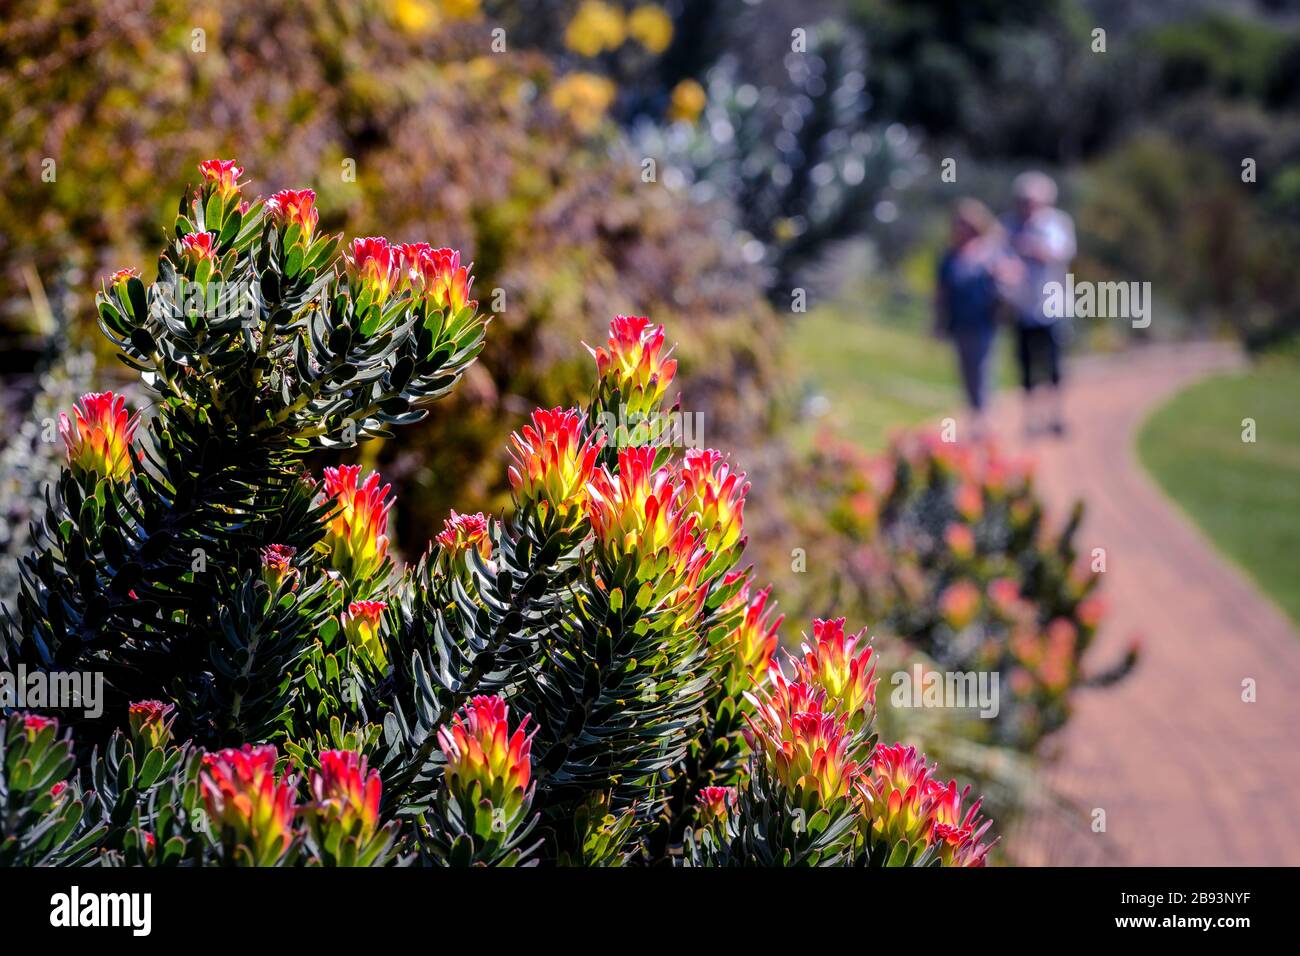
column 715, row 494
column 713, row 804
column 151, row 723
column 361, row 623
column 277, row 567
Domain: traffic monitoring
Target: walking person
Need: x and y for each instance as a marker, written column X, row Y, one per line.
column 1042, row 237
column 972, row 276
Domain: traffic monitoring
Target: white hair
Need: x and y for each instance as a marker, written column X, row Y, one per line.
column 1034, row 185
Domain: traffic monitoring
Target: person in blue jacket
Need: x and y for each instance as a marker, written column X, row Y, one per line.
column 973, row 275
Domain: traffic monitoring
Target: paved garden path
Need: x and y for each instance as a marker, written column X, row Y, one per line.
column 1186, row 771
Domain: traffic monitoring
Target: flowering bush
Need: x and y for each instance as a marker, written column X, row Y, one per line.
column 947, row 546
column 589, row 680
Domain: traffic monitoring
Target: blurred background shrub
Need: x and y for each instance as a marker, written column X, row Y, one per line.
column 448, row 142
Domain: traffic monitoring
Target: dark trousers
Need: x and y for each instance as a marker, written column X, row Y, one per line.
column 1038, row 348
column 973, row 351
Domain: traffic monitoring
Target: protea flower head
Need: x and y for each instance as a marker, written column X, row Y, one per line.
column 485, row 761
column 898, row 795
column 345, row 795
column 277, row 567
column 639, row 511
column 436, row 275
column 957, row 835
column 843, row 667
column 715, row 494
column 808, row 751
column 151, row 722
column 99, row 441
column 462, row 532
column 634, row 363
column 357, row 533
column 246, row 802
column 713, row 804
column 552, row 461
column 222, row 175
column 295, row 207
column 372, row 265
column 196, row 248
column 754, row 641
column 361, row 622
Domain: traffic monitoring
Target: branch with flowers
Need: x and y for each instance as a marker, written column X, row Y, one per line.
column 591, row 679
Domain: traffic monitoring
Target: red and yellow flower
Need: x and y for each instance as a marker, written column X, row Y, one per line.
column 99, row 441
column 345, row 794
column 753, row 642
column 808, row 751
column 843, row 667
column 245, row 801
column 552, row 461
column 197, row 248
column 713, row 805
column 436, row 275
column 634, row 363
column 485, row 760
column 295, row 207
column 151, row 722
column 361, row 623
column 715, row 494
column 372, row 265
column 222, row 175
column 897, row 795
column 357, row 532
column 960, row 540
column 462, row 532
column 958, row 835
column 639, row 511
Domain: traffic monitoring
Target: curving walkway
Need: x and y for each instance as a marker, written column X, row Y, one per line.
column 1187, row 773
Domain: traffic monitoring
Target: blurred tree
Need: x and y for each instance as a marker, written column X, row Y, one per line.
column 803, row 163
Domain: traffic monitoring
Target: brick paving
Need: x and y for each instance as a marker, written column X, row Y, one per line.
column 1187, row 772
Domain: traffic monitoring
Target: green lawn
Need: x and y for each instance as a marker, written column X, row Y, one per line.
column 1245, row 496
column 876, row 366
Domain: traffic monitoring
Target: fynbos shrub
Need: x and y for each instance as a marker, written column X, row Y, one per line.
column 588, row 680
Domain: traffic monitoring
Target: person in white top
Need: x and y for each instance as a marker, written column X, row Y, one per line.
column 1042, row 236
